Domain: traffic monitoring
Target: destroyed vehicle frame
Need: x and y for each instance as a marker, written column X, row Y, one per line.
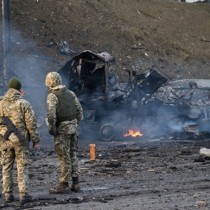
column 87, row 71
column 197, row 96
column 110, row 107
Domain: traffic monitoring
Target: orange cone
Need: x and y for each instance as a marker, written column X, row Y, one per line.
column 92, row 151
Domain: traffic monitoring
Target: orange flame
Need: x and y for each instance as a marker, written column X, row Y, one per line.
column 133, row 133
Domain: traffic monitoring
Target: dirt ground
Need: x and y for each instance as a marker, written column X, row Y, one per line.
column 171, row 35
column 144, row 174
column 129, row 174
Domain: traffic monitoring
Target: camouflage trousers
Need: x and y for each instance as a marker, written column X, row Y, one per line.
column 8, row 157
column 66, row 149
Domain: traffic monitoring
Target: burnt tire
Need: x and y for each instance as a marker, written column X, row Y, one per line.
column 107, row 132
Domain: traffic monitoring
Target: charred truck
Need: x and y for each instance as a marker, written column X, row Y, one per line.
column 111, row 108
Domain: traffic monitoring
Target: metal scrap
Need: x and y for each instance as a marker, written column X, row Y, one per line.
column 146, row 100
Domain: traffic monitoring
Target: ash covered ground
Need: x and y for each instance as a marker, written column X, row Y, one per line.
column 130, row 174
column 157, row 173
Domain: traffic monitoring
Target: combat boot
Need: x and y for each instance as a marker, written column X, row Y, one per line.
column 8, row 199
column 61, row 189
column 25, row 199
column 75, row 184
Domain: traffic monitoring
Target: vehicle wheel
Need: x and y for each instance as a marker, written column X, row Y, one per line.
column 107, row 132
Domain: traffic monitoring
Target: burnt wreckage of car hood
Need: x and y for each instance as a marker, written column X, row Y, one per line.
column 146, row 102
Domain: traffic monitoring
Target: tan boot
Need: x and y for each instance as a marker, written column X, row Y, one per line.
column 75, row 184
column 63, row 188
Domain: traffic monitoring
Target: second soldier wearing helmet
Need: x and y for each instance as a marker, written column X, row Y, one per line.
column 64, row 113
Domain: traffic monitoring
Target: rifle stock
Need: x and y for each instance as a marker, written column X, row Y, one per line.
column 11, row 128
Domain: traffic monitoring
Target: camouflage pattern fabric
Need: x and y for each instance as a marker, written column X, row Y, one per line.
column 65, row 135
column 66, row 149
column 20, row 112
column 20, row 154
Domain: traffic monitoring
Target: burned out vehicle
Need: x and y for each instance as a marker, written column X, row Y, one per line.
column 112, row 108
column 195, row 94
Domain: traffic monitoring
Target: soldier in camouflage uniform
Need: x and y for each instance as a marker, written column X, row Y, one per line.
column 20, row 112
column 64, row 112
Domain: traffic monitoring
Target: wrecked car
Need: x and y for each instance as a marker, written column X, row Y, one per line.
column 195, row 94
column 147, row 103
column 184, row 105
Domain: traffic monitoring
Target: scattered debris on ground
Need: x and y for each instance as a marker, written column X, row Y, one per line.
column 160, row 174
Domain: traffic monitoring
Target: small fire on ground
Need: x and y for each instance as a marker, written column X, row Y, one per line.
column 133, row 133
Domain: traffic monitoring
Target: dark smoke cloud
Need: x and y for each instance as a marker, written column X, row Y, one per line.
column 25, row 62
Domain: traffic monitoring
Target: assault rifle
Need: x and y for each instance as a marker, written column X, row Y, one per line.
column 11, row 128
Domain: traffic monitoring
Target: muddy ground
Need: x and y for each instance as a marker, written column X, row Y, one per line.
column 128, row 174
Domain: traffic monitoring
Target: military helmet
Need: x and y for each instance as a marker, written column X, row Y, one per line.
column 53, row 79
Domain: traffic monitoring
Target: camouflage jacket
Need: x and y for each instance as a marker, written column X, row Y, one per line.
column 66, row 127
column 20, row 112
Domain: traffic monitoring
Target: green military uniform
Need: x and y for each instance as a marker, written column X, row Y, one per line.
column 20, row 112
column 64, row 112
